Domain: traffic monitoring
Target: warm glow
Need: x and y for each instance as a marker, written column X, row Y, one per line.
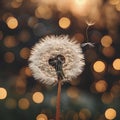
column 23, row 103
column 11, row 103
column 12, row 22
column 99, row 66
column 64, row 22
column 38, row 97
column 15, row 4
column 41, row 117
column 73, row 92
column 24, row 53
column 101, row 86
column 10, row 41
column 107, row 98
column 116, row 64
column 53, row 101
column 118, row 7
column 108, row 51
column 3, row 93
column 114, row 2
column 110, row 113
column 43, row 12
column 24, row 36
column 84, row 114
column 115, row 90
column 81, row 8
column 28, row 71
column 20, row 85
column 80, row 2
column 79, row 37
column 9, row 57
column 106, row 41
column 32, row 21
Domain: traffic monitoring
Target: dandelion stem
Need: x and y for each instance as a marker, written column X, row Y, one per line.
column 87, row 33
column 58, row 101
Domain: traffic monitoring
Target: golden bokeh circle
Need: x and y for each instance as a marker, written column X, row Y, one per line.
column 3, row 93
column 41, row 117
column 23, row 103
column 99, row 66
column 106, row 41
column 12, row 22
column 110, row 113
column 64, row 22
column 38, row 97
column 116, row 64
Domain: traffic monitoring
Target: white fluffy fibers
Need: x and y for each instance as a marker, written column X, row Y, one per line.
column 52, row 46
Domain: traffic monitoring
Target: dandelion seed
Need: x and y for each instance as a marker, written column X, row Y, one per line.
column 50, row 47
column 88, row 43
column 90, row 23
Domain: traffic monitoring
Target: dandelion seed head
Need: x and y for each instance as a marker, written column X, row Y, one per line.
column 49, row 47
column 90, row 22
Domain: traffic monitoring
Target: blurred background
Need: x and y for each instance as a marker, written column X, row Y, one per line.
column 95, row 94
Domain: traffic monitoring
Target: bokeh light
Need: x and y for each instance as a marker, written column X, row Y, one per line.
column 79, row 7
column 62, row 6
column 73, row 92
column 41, row 117
column 38, row 97
column 12, row 22
column 3, row 93
column 84, row 114
column 28, row 72
column 70, row 115
column 107, row 98
column 24, row 36
column 115, row 90
column 10, row 41
column 101, row 86
column 40, row 29
column 110, row 113
column 20, row 85
column 108, row 51
column 24, row 53
column 24, row 22
column 106, row 41
column 53, row 101
column 116, row 64
column 32, row 21
column 11, row 103
column 118, row 7
column 114, row 2
column 9, row 57
column 16, row 3
column 64, row 22
column 99, row 66
column 43, row 12
column 23, row 103
column 79, row 37
column 75, row 82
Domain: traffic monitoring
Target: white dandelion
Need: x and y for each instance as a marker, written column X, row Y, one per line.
column 50, row 47
column 56, row 59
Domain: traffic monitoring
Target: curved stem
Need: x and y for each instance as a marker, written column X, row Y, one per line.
column 58, row 101
column 87, row 33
